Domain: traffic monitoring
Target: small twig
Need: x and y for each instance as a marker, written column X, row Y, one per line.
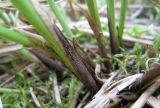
column 137, row 13
column 150, row 59
column 34, row 98
column 16, row 18
column 154, row 102
column 56, row 90
column 4, row 76
column 148, row 78
column 98, row 73
column 9, row 49
column 110, row 94
column 143, row 98
column 83, row 100
column 106, row 84
column 126, row 38
column 31, row 35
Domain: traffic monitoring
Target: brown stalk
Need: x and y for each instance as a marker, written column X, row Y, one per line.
column 47, row 61
column 148, row 78
column 113, row 38
column 86, row 59
column 98, row 34
column 99, row 38
column 147, row 93
column 82, row 71
column 73, row 12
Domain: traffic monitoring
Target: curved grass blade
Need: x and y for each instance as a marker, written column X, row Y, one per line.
column 14, row 36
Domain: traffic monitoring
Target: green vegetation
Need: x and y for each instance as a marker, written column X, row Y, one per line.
column 61, row 18
column 124, row 5
column 69, row 61
column 10, row 35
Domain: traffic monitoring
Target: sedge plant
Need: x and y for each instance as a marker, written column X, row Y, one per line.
column 57, row 42
column 55, row 39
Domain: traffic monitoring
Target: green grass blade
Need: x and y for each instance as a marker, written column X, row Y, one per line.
column 93, row 10
column 112, row 26
column 60, row 17
column 28, row 55
column 35, row 14
column 14, row 36
column 111, row 11
column 5, row 17
column 27, row 8
column 6, row 90
column 124, row 5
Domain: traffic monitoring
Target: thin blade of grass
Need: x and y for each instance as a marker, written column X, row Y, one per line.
column 60, row 17
column 43, row 23
column 93, row 10
column 112, row 27
column 97, row 32
column 7, row 90
column 5, row 17
column 14, row 36
column 124, row 4
column 100, row 41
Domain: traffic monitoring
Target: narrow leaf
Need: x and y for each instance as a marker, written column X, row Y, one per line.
column 14, row 36
column 97, row 32
column 112, row 27
column 93, row 10
column 60, row 17
column 124, row 4
column 43, row 23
